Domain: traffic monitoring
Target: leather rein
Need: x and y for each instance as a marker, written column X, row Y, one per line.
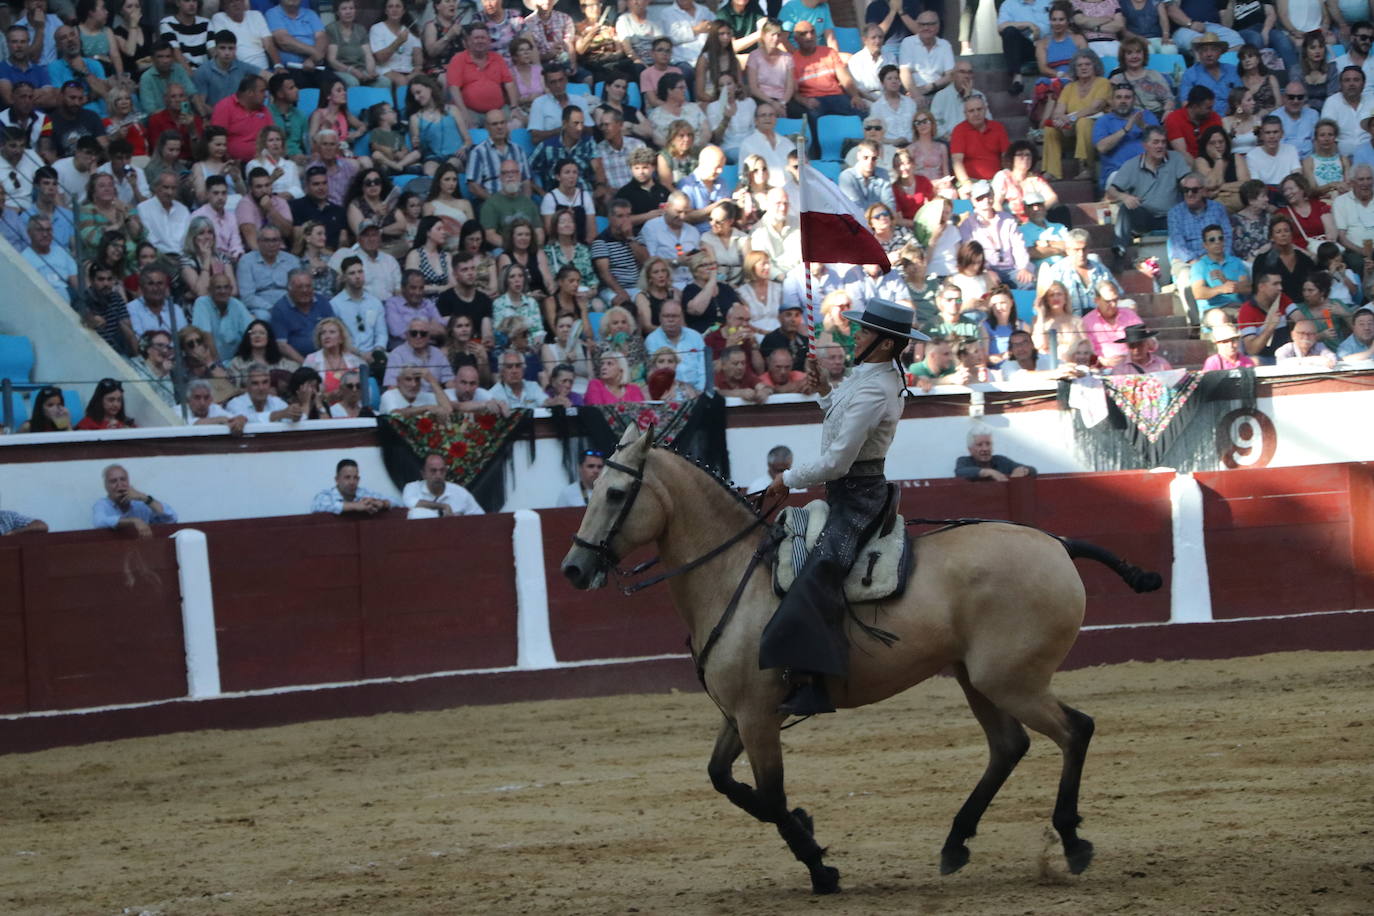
column 608, row 555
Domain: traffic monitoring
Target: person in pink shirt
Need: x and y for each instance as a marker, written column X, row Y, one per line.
column 1140, row 341
column 1228, row 355
column 228, row 241
column 479, row 81
column 613, row 386
column 244, row 116
column 1105, row 324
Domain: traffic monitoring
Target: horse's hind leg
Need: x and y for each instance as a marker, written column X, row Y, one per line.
column 1072, row 731
column 1007, row 744
column 762, row 742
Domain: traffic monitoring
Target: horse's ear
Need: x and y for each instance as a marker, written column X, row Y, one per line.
column 649, row 434
column 630, row 435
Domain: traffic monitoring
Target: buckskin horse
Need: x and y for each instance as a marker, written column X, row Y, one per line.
column 953, row 614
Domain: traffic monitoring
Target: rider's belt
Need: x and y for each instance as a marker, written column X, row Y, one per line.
column 871, row 468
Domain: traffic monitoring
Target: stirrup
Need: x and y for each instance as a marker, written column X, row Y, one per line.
column 808, row 698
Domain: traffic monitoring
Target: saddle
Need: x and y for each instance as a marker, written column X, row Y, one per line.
column 884, row 562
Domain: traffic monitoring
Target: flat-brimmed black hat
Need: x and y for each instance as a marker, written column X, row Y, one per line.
column 1137, row 333
column 888, row 317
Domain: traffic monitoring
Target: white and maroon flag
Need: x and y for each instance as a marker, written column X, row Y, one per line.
column 833, row 228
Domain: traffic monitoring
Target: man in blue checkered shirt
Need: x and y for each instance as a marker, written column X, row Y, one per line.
column 1186, row 220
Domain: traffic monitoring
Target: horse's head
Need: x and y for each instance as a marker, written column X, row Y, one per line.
column 621, row 514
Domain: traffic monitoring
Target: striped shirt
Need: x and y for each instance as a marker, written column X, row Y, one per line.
column 484, row 164
column 193, row 39
column 624, row 268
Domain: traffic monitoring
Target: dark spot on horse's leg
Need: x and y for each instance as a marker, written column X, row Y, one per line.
column 1077, row 851
column 805, row 820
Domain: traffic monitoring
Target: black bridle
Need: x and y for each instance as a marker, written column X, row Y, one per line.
column 611, row 560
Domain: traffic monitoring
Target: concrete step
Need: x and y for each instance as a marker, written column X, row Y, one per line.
column 1100, row 235
column 1152, row 306
column 1134, row 282
column 1075, row 191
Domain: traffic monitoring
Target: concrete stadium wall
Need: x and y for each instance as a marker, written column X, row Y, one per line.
column 274, row 620
column 65, row 352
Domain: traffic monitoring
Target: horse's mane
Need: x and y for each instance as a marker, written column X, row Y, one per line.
column 715, row 476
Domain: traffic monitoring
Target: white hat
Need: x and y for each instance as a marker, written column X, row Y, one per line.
column 979, row 188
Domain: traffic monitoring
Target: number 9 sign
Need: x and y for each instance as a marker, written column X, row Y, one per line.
column 1246, row 439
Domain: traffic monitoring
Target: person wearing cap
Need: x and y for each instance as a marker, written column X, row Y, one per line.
column 977, row 145
column 1004, row 249
column 1119, row 132
column 1195, row 20
column 1351, row 109
column 805, row 637
column 1359, row 346
column 787, row 336
column 1228, row 355
column 1209, row 71
column 1141, row 343
column 382, row 271
column 1044, row 239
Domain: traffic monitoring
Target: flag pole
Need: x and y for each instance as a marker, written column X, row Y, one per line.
column 806, row 265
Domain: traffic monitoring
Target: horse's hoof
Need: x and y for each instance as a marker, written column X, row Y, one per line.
column 825, row 880
column 804, row 820
column 953, row 858
column 1079, row 857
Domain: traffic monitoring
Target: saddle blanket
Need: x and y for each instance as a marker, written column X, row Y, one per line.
column 881, row 570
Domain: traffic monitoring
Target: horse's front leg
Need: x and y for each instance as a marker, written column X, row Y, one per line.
column 721, row 770
column 761, row 740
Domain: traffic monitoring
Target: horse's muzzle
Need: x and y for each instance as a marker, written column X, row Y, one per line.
column 584, row 569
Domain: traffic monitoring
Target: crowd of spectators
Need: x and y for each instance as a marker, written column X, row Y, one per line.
column 578, row 203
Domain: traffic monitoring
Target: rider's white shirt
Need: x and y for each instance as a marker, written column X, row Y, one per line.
column 861, row 416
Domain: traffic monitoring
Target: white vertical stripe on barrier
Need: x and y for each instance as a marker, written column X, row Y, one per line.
column 534, row 641
column 1190, row 590
column 197, row 613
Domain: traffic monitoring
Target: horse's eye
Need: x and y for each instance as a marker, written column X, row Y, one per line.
column 615, row 496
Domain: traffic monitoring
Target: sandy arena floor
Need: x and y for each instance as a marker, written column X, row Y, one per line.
column 1242, row 787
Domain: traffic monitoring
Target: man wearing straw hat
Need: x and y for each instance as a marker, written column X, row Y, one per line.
column 805, row 637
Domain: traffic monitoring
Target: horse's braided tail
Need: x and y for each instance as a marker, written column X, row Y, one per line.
column 1139, row 579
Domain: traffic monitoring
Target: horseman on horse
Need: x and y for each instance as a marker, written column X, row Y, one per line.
column 805, row 637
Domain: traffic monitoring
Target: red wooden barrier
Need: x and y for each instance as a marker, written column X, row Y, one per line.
column 14, row 668
column 1128, row 513
column 314, row 599
column 95, row 619
column 1280, row 540
column 603, row 623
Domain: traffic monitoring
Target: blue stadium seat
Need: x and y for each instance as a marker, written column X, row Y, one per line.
column 579, row 89
column 1170, row 66
column 521, row 138
column 1025, row 304
column 400, row 181
column 849, row 40
column 374, row 393
column 361, row 98
column 729, row 178
column 962, row 206
column 1108, row 65
column 829, row 168
column 834, row 130
column 402, row 93
column 1230, row 57
column 478, row 134
column 788, row 127
column 633, row 96
column 16, row 358
column 75, row 406
column 308, row 101
column 594, row 322
column 602, row 224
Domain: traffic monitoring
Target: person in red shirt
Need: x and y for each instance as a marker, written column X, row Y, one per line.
column 977, row 145
column 734, row 378
column 244, row 116
column 183, row 123
column 478, row 80
column 824, row 86
column 1183, row 126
